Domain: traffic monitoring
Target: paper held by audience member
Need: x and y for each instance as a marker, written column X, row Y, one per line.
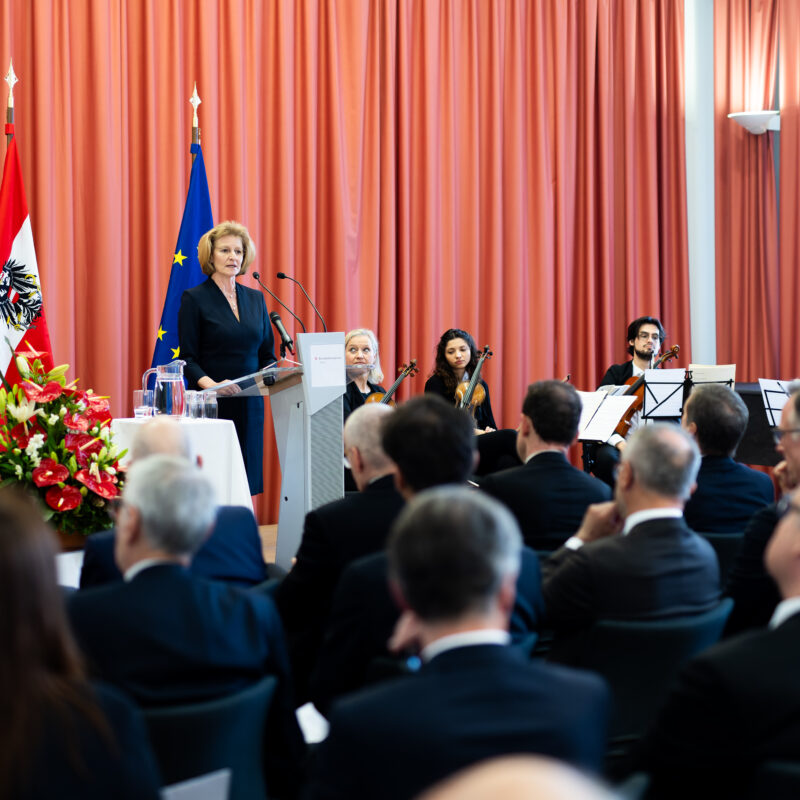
column 601, row 414
column 774, row 394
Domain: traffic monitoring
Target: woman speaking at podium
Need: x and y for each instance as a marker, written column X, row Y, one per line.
column 224, row 333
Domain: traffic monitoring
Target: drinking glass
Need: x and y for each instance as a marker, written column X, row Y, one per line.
column 210, row 406
column 143, row 403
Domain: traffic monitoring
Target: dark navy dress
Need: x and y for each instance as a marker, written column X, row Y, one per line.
column 214, row 343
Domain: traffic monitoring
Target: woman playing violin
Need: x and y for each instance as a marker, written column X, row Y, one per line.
column 456, row 359
column 361, row 347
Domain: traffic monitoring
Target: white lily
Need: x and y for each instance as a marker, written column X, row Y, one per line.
column 23, row 410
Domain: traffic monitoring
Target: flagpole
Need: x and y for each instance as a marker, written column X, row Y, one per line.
column 11, row 79
column 195, row 101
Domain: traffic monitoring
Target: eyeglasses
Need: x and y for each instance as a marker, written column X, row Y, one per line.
column 644, row 336
column 779, row 433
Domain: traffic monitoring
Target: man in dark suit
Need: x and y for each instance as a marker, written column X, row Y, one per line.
column 727, row 493
column 231, row 553
column 547, row 495
column 336, row 534
column 737, row 704
column 644, row 337
column 753, row 590
column 167, row 637
column 453, row 556
column 431, row 443
column 635, row 557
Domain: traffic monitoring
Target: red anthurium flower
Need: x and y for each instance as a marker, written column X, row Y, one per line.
column 41, row 394
column 49, row 473
column 105, row 486
column 83, row 446
column 64, row 499
column 77, row 422
column 21, row 436
column 31, row 353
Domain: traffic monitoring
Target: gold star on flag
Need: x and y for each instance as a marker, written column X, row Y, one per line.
column 160, row 334
column 179, row 258
column 176, row 351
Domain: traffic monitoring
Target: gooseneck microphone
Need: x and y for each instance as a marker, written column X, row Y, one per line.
column 284, row 276
column 277, row 299
column 286, row 340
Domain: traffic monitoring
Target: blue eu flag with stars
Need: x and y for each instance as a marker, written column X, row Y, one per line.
column 186, row 272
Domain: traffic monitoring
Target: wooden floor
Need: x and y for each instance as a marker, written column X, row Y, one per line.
column 269, row 540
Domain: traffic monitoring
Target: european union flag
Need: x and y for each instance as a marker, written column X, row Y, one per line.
column 186, row 272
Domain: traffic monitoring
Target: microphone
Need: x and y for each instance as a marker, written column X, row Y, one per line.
column 284, row 276
column 257, row 276
column 286, row 340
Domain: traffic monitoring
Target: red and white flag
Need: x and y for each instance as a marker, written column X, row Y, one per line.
column 22, row 323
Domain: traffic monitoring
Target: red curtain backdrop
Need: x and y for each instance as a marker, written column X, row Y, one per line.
column 789, row 284
column 514, row 168
column 748, row 288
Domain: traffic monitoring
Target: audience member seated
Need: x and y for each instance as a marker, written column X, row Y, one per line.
column 336, row 534
column 519, row 778
column 231, row 553
column 635, row 557
column 547, row 495
column 453, row 561
column 166, row 636
column 727, row 493
column 431, row 443
column 738, row 704
column 64, row 736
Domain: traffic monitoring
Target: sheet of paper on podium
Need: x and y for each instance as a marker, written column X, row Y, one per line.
column 775, row 394
column 601, row 414
column 257, row 382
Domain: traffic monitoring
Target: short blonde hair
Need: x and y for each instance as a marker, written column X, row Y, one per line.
column 205, row 247
column 376, row 373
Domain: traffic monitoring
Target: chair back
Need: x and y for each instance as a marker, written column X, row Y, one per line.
column 639, row 659
column 228, row 732
column 727, row 547
column 778, row 780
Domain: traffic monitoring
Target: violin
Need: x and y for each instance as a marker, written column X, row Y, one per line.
column 386, row 397
column 636, row 387
column 473, row 394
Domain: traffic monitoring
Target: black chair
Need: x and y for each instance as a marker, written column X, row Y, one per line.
column 727, row 547
column 640, row 659
column 197, row 738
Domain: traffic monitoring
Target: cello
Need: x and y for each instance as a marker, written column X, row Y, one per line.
column 636, row 387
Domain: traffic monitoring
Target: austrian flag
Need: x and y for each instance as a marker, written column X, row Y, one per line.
column 22, row 320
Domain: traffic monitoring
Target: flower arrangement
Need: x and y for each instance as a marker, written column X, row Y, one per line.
column 56, row 440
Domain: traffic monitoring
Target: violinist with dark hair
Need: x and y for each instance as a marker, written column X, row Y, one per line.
column 456, row 361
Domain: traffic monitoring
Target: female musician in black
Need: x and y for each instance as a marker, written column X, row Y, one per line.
column 456, row 359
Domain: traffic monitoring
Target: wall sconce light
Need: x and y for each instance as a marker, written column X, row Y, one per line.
column 757, row 121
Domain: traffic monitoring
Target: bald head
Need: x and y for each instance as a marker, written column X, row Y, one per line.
column 161, row 436
column 362, row 435
column 518, row 778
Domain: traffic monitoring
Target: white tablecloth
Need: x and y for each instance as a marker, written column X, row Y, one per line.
column 214, row 440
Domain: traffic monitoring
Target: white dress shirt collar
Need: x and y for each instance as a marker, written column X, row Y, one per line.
column 465, row 639
column 785, row 609
column 648, row 514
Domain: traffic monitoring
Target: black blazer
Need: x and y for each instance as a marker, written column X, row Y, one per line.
column 214, row 343
column 167, row 637
column 334, row 535
column 122, row 768
column 733, row 707
column 617, row 374
column 232, row 553
column 363, row 616
column 661, row 569
column 484, row 418
column 752, row 588
column 353, row 399
column 548, row 496
column 727, row 496
column 464, row 706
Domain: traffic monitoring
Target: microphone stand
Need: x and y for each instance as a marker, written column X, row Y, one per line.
column 257, row 276
column 284, row 276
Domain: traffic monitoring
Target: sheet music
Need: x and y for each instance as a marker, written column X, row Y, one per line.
column 712, row 373
column 775, row 394
column 601, row 414
column 663, row 393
